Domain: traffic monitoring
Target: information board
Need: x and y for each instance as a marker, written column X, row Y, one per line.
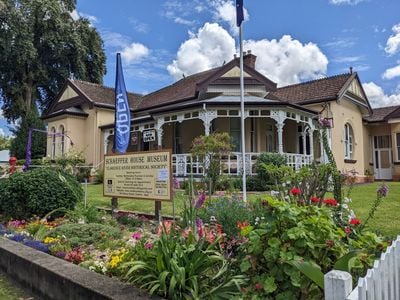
column 139, row 175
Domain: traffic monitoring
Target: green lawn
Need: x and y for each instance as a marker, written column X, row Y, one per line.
column 8, row 291
column 385, row 221
column 95, row 197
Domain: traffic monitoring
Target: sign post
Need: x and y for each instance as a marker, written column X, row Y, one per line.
column 139, row 175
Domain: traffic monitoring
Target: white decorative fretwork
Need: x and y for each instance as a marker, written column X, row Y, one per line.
column 207, row 116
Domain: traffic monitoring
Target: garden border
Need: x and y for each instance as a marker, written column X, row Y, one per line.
column 54, row 278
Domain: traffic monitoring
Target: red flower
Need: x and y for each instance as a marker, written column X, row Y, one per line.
column 242, row 225
column 258, row 286
column 295, row 191
column 314, row 199
column 330, row 202
column 347, row 230
column 355, row 221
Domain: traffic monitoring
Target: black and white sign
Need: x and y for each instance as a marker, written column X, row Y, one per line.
column 149, row 136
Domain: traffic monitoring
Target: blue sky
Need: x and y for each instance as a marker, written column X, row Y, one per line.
column 294, row 40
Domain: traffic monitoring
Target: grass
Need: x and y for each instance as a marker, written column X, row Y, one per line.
column 385, row 221
column 95, row 197
column 8, row 291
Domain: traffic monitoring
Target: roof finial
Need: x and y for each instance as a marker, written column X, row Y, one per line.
column 183, row 75
column 351, row 70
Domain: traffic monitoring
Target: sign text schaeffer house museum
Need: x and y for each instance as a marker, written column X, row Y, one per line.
column 142, row 175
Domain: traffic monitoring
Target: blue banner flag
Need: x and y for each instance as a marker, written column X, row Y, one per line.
column 122, row 122
column 239, row 12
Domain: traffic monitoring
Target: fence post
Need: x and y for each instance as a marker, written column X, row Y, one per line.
column 337, row 285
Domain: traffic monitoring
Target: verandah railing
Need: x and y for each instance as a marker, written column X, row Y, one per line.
column 186, row 164
column 382, row 282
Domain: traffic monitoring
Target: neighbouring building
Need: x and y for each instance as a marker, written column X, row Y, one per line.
column 278, row 119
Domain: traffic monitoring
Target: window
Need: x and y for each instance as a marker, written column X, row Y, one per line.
column 53, row 142
column 398, row 145
column 62, row 144
column 234, row 132
column 348, row 141
column 253, row 134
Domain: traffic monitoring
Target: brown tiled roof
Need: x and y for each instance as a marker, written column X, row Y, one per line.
column 380, row 114
column 100, row 94
column 180, row 90
column 313, row 91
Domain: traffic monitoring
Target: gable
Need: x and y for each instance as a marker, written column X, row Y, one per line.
column 235, row 72
column 68, row 94
column 355, row 88
column 354, row 92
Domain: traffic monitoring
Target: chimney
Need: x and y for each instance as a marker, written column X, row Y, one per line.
column 249, row 59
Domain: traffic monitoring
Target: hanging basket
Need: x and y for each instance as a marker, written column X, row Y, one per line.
column 326, row 122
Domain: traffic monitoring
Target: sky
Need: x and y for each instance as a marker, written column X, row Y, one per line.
column 294, row 40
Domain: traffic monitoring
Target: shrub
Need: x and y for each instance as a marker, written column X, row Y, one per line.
column 87, row 234
column 37, row 192
column 227, row 212
column 265, row 180
column 289, row 235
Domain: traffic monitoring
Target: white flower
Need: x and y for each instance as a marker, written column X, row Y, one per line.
column 262, row 218
column 346, row 200
column 213, row 219
column 274, row 193
column 345, row 206
column 283, row 184
column 257, row 219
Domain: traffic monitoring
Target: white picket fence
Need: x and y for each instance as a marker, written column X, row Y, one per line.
column 382, row 282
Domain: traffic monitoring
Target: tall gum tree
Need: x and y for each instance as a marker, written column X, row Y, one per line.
column 40, row 46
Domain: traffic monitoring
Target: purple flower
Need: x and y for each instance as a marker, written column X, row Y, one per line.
column 176, row 183
column 136, row 235
column 18, row 238
column 325, row 122
column 37, row 245
column 199, row 222
column 148, row 245
column 383, row 190
column 200, row 200
column 60, row 254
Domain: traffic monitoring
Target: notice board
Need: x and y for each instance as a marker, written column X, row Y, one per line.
column 138, row 175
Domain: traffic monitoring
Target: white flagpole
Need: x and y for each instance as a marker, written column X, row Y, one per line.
column 242, row 128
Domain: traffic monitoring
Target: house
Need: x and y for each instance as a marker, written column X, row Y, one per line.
column 277, row 119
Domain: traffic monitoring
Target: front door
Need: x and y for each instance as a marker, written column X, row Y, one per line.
column 382, row 157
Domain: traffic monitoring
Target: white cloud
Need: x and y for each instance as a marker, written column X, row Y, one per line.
column 134, row 52
column 284, row 61
column 139, row 26
column 393, row 42
column 2, row 133
column 179, row 20
column 226, row 11
column 377, row 96
column 208, row 48
column 391, row 73
column 347, row 59
column 77, row 15
column 288, row 61
column 181, row 12
column 114, row 39
column 345, row 2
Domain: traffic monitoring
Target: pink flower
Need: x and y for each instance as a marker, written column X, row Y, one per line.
column 136, row 235
column 148, row 245
column 258, row 286
column 347, row 230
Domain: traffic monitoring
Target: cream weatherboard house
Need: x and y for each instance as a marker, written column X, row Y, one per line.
column 278, row 119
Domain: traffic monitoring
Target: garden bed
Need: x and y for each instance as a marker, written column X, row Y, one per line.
column 53, row 278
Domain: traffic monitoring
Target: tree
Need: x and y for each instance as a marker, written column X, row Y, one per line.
column 40, row 46
column 18, row 144
column 210, row 150
column 5, row 142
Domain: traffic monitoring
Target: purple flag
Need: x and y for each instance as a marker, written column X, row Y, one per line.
column 239, row 12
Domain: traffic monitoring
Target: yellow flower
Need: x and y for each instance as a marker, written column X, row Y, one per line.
column 50, row 240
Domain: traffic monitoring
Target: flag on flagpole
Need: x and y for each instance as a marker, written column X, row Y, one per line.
column 122, row 121
column 239, row 12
